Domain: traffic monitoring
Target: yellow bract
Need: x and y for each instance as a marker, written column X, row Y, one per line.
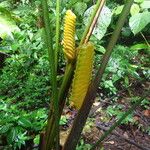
column 69, row 35
column 83, row 74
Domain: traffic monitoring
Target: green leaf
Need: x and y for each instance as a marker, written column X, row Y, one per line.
column 5, row 128
column 139, row 46
column 63, row 120
column 138, row 1
column 12, row 135
column 146, row 4
column 7, row 24
column 24, row 122
column 37, row 139
column 5, row 4
column 80, row 7
column 139, row 21
column 102, row 23
column 100, row 49
column 118, row 10
column 134, row 9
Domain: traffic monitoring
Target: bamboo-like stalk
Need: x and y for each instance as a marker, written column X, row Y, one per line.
column 57, row 31
column 51, row 56
column 80, row 120
column 56, row 63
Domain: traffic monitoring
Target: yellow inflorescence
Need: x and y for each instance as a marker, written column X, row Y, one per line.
column 69, row 35
column 83, row 74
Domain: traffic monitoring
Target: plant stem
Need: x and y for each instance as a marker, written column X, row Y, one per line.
column 51, row 56
column 145, row 39
column 80, row 120
column 99, row 4
column 116, row 124
column 88, row 35
column 57, row 31
column 67, row 78
column 61, row 97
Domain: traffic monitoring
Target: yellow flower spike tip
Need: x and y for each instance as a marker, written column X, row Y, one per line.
column 69, row 35
column 83, row 74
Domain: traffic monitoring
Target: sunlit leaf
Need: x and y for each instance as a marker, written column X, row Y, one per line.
column 138, row 1
column 80, row 7
column 139, row 21
column 102, row 23
column 134, row 9
column 7, row 25
column 146, row 4
column 139, row 46
column 118, row 10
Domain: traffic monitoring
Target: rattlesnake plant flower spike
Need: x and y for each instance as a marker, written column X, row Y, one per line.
column 69, row 35
column 83, row 74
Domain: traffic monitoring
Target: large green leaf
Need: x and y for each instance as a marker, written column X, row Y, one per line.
column 146, row 4
column 138, row 1
column 7, row 24
column 138, row 21
column 102, row 23
column 117, row 10
column 80, row 7
column 134, row 9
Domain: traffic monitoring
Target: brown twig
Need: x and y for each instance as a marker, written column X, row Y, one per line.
column 94, row 22
column 122, row 137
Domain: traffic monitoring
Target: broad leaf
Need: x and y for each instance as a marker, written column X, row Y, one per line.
column 102, row 23
column 7, row 24
column 118, row 10
column 138, row 1
column 134, row 9
column 80, row 7
column 146, row 4
column 138, row 21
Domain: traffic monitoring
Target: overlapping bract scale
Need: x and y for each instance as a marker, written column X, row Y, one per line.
column 83, row 74
column 69, row 35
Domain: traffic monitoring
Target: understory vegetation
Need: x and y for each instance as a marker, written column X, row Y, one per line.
column 26, row 88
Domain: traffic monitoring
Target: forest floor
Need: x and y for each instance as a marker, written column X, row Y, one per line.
column 128, row 136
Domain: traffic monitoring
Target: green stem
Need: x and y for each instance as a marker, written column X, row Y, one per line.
column 90, row 22
column 66, row 84
column 82, row 115
column 56, row 62
column 57, row 30
column 61, row 97
column 108, row 132
column 51, row 57
column 145, row 39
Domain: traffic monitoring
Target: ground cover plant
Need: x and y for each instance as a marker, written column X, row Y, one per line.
column 74, row 74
